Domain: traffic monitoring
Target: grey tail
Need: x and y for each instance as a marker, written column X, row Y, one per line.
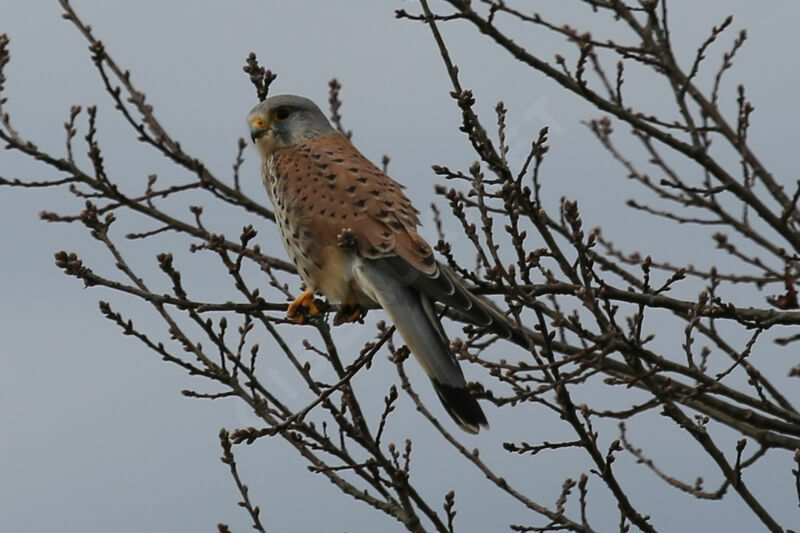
column 461, row 407
column 457, row 400
column 415, row 318
column 446, row 288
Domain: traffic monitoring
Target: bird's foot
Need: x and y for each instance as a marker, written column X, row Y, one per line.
column 349, row 313
column 304, row 307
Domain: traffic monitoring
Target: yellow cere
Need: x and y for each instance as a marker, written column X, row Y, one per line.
column 258, row 123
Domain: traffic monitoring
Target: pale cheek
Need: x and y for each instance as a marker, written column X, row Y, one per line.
column 267, row 145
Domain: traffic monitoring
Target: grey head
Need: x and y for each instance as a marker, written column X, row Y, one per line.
column 286, row 120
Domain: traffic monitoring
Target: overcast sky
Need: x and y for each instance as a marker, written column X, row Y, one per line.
column 94, row 435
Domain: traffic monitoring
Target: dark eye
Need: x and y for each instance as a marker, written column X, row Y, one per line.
column 282, row 113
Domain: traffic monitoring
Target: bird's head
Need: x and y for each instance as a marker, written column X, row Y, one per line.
column 285, row 120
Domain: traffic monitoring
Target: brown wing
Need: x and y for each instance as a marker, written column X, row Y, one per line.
column 331, row 187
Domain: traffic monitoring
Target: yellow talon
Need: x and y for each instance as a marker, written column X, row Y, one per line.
column 349, row 313
column 303, row 307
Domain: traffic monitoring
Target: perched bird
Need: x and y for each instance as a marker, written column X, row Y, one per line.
column 351, row 232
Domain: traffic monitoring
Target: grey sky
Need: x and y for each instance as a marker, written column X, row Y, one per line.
column 95, row 435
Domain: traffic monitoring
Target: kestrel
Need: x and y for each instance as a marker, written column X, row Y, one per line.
column 351, row 232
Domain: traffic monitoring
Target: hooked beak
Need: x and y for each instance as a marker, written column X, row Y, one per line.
column 258, row 128
column 255, row 133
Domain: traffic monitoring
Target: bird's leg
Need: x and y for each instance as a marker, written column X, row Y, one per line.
column 303, row 307
column 349, row 313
